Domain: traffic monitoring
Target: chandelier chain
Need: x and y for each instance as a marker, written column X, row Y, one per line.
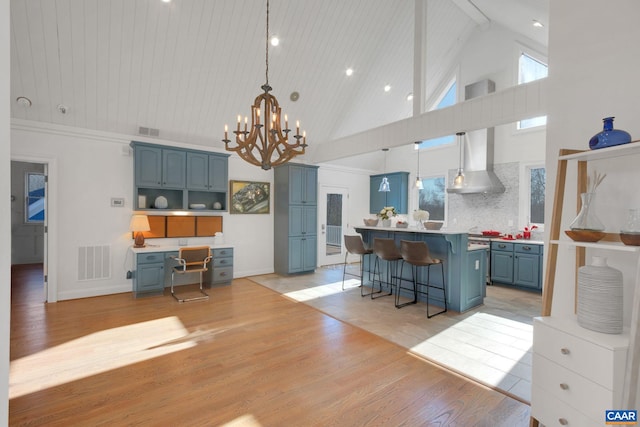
column 266, row 73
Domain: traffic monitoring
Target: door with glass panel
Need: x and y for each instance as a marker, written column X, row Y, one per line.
column 332, row 212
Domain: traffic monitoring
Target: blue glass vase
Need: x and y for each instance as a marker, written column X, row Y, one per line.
column 609, row 136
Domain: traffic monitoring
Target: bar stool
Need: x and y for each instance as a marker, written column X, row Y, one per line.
column 354, row 245
column 417, row 255
column 385, row 250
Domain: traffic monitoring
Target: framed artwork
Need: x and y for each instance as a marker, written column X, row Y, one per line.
column 247, row 197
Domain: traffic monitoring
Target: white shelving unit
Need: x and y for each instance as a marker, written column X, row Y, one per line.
column 567, row 330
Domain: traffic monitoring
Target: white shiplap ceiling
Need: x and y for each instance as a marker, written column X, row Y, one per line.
column 189, row 66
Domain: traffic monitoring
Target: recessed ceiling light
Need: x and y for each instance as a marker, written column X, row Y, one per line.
column 23, row 101
column 410, row 97
column 349, row 72
column 387, row 88
column 166, row 1
column 275, row 41
column 537, row 24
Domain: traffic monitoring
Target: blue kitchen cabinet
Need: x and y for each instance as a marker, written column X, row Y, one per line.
column 517, row 264
column 184, row 177
column 397, row 197
column 296, row 218
column 502, row 262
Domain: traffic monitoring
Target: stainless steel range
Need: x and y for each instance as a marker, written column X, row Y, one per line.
column 479, row 239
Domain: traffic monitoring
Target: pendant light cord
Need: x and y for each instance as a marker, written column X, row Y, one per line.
column 267, row 48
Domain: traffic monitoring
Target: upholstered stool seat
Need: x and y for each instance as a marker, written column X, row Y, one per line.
column 387, row 251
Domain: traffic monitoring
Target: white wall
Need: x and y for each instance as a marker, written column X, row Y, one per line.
column 591, row 77
column 5, row 224
column 91, row 169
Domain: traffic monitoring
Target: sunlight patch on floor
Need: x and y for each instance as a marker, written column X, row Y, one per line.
column 97, row 353
column 243, row 421
column 320, row 291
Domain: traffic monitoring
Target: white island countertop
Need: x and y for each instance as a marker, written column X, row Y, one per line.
column 171, row 248
column 410, row 230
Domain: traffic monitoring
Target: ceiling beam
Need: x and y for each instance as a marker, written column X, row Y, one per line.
column 498, row 108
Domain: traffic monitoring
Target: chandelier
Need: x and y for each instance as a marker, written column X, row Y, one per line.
column 266, row 144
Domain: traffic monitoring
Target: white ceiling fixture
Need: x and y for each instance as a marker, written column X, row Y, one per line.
column 387, row 88
column 349, row 72
column 275, row 41
column 410, row 97
column 23, row 101
column 537, row 24
column 62, row 108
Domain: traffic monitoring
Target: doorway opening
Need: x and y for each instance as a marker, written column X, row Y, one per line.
column 29, row 219
column 333, row 224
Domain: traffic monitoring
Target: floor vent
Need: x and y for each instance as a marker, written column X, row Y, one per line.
column 94, row 262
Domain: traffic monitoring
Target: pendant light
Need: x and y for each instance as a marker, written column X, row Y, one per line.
column 458, row 181
column 384, row 185
column 419, row 185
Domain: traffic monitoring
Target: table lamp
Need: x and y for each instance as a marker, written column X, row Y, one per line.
column 138, row 224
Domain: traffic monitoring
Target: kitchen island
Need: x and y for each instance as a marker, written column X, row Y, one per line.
column 464, row 266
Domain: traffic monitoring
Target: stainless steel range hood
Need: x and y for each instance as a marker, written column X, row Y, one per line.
column 478, row 153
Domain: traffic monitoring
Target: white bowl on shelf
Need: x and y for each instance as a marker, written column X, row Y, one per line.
column 197, row 206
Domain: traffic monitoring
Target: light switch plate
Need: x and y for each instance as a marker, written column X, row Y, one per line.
column 117, row 202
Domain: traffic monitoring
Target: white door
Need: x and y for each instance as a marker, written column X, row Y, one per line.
column 332, row 212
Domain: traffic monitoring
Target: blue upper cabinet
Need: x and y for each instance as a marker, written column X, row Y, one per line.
column 188, row 179
column 397, row 197
column 303, row 183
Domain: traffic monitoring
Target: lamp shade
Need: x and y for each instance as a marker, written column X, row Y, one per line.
column 139, row 223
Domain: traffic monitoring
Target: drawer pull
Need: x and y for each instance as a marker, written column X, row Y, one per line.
column 502, row 246
column 564, row 386
column 563, row 421
column 564, row 351
column 526, row 248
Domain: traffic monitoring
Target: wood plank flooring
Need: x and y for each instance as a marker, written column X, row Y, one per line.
column 248, row 356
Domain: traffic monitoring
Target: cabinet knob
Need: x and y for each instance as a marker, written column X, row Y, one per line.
column 563, row 421
column 526, row 248
column 564, row 386
column 565, row 351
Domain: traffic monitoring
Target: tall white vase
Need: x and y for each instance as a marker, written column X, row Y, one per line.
column 600, row 296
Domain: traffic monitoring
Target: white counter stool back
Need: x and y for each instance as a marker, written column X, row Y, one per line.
column 191, row 260
column 385, row 250
column 417, row 255
column 355, row 246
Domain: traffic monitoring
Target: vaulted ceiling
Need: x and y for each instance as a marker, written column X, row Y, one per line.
column 187, row 67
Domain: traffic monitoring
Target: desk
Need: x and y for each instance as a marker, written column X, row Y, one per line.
column 464, row 268
column 153, row 264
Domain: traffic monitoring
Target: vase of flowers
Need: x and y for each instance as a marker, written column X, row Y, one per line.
column 420, row 216
column 386, row 214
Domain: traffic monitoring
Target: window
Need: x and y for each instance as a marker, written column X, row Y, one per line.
column 447, row 99
column 432, row 197
column 34, row 197
column 537, row 180
column 530, row 69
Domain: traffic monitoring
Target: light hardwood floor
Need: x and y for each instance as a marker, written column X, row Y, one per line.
column 490, row 343
column 246, row 357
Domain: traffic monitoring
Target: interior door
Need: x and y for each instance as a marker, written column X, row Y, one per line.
column 332, row 211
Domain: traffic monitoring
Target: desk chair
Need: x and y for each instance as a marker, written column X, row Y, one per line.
column 354, row 245
column 191, row 260
column 417, row 255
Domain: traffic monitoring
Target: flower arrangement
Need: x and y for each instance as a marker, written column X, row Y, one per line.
column 420, row 215
column 387, row 212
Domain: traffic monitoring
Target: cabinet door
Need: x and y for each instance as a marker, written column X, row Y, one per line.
column 174, row 168
column 296, row 254
column 309, row 260
column 296, row 185
column 377, row 199
column 526, row 270
column 150, row 278
column 302, row 220
column 218, row 173
column 197, row 171
column 398, row 195
column 148, row 164
column 502, row 267
column 310, row 186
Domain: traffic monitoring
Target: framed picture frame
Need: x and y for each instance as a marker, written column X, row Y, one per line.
column 249, row 197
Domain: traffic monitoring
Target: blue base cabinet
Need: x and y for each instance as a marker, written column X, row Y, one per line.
column 517, row 264
column 295, row 219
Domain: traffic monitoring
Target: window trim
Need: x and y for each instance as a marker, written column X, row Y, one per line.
column 525, row 188
column 442, row 175
column 536, row 56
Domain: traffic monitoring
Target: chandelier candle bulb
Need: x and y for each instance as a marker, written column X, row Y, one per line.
column 226, row 129
column 246, row 120
column 297, row 127
column 286, row 122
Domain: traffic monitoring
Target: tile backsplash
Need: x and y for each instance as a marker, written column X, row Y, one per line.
column 479, row 212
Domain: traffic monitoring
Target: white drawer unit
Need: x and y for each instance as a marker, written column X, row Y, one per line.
column 577, row 373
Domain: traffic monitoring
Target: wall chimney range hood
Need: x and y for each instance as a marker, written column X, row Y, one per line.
column 478, row 152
